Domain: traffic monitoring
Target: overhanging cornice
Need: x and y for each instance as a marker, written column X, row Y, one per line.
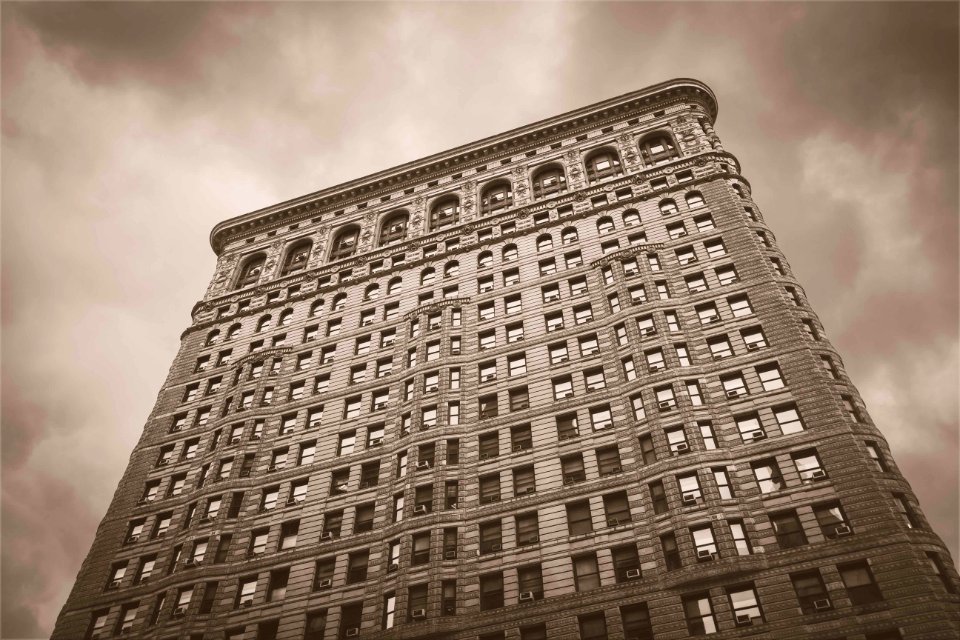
column 466, row 156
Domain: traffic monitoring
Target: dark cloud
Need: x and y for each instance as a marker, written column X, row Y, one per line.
column 130, row 129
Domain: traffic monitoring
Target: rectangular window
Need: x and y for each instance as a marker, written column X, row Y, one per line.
column 811, row 592
column 659, row 497
column 740, row 540
column 586, row 572
column 861, row 586
column 788, row 530
column 832, row 520
column 789, row 419
column 491, row 591
column 724, row 487
column 671, row 552
column 699, row 614
column 593, row 626
column 767, row 474
column 745, row 604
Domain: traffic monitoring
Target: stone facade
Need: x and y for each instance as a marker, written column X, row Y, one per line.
column 592, row 408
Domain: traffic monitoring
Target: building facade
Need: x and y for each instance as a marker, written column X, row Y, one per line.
column 559, row 383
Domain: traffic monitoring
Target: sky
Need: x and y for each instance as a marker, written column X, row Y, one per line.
column 130, row 129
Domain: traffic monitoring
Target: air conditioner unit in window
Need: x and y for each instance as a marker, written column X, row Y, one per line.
column 235, row 440
column 613, row 522
column 376, row 442
column 352, row 632
column 842, row 530
column 246, row 603
column 133, row 538
column 489, row 499
column 530, row 540
column 551, row 297
column 704, row 554
column 393, row 566
column 254, row 438
column 453, row 505
column 164, row 462
column 719, row 356
column 689, row 498
column 190, row 562
column 179, row 612
column 487, row 456
column 425, row 426
column 144, row 580
column 114, row 584
column 733, row 393
column 377, row 406
column 818, row 474
column 565, row 394
column 326, row 535
column 633, row 574
column 450, row 555
column 822, row 605
column 526, row 596
column 744, row 620
column 420, row 509
column 430, row 389
column 161, row 534
column 423, row 464
column 666, row 405
column 653, row 368
column 752, row 346
column 496, row 546
column 418, row 614
column 517, row 448
column 680, row 234
column 682, row 447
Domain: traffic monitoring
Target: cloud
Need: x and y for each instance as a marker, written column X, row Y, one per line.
column 131, row 129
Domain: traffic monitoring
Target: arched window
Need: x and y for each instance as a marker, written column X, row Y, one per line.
column 631, row 218
column 317, row 307
column 569, row 235
column 394, row 286
column 694, row 200
column 212, row 338
column 345, row 242
column 668, row 207
column 451, row 269
column 372, row 292
column 339, row 302
column 510, row 253
column 286, row 317
column 264, row 323
column 602, row 164
column 233, row 332
column 605, row 225
column 484, row 260
column 548, row 180
column 394, row 228
column 544, row 242
column 427, row 276
column 445, row 212
column 658, row 148
column 495, row 196
column 297, row 257
column 251, row 270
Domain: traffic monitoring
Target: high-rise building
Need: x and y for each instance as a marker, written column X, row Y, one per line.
column 558, row 383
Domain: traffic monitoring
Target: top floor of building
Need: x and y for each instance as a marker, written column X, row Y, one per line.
column 439, row 198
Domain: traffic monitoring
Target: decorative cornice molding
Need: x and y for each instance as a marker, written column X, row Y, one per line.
column 464, row 157
column 308, row 277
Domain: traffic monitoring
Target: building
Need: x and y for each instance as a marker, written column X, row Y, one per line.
column 559, row 383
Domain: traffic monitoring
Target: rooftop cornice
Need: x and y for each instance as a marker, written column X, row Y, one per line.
column 466, row 156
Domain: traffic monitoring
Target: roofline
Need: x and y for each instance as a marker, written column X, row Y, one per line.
column 462, row 157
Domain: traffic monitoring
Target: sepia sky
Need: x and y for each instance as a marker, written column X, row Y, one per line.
column 129, row 130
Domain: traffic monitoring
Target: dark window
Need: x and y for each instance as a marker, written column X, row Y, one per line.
column 787, row 528
column 858, row 579
column 811, row 592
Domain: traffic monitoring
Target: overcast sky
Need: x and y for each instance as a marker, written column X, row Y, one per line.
column 130, row 130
